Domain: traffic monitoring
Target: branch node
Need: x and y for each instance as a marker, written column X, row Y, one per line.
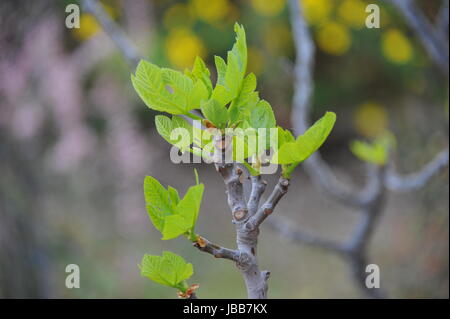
column 201, row 242
column 265, row 274
column 240, row 214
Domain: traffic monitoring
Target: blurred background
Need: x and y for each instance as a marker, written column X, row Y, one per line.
column 76, row 143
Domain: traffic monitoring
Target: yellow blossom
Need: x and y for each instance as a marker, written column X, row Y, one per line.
column 277, row 38
column 178, row 15
column 333, row 38
column 89, row 25
column 182, row 47
column 353, row 13
column 317, row 11
column 371, row 119
column 396, row 47
column 268, row 8
column 211, row 11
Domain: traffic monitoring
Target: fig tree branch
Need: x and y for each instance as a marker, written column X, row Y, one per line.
column 123, row 43
column 416, row 180
column 319, row 171
column 217, row 251
column 442, row 18
column 434, row 41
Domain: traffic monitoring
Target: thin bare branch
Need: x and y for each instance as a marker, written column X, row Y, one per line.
column 258, row 188
column 267, row 208
column 370, row 213
column 318, row 170
column 217, row 251
column 416, row 180
column 126, row 47
column 231, row 175
column 289, row 232
column 246, row 238
column 435, row 42
column 357, row 265
column 369, row 199
column 442, row 18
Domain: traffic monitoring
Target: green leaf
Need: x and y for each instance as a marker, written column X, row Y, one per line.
column 248, row 87
column 201, row 72
column 377, row 152
column 240, row 47
column 215, row 112
column 177, row 131
column 201, row 137
column 316, row 135
column 245, row 102
column 221, row 68
column 167, row 90
column 186, row 214
column 169, row 269
column 164, row 127
column 233, row 76
column 157, row 201
column 169, row 214
column 288, row 153
column 230, row 75
column 245, row 143
column 151, row 267
column 306, row 144
column 283, row 136
column 196, row 176
column 198, row 95
column 288, row 137
column 174, row 226
column 189, row 206
column 372, row 153
column 173, row 196
column 262, row 116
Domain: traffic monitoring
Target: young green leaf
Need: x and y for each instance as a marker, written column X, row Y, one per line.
column 372, row 153
column 262, row 116
column 177, row 131
column 240, row 47
column 245, row 143
column 167, row 90
column 186, row 214
column 173, row 196
column 174, row 226
column 158, row 202
column 376, row 152
column 150, row 86
column 201, row 72
column 283, row 136
column 169, row 269
column 196, row 176
column 230, row 75
column 306, row 144
column 164, row 127
column 233, row 76
column 246, row 100
column 215, row 113
column 221, row 68
column 169, row 214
